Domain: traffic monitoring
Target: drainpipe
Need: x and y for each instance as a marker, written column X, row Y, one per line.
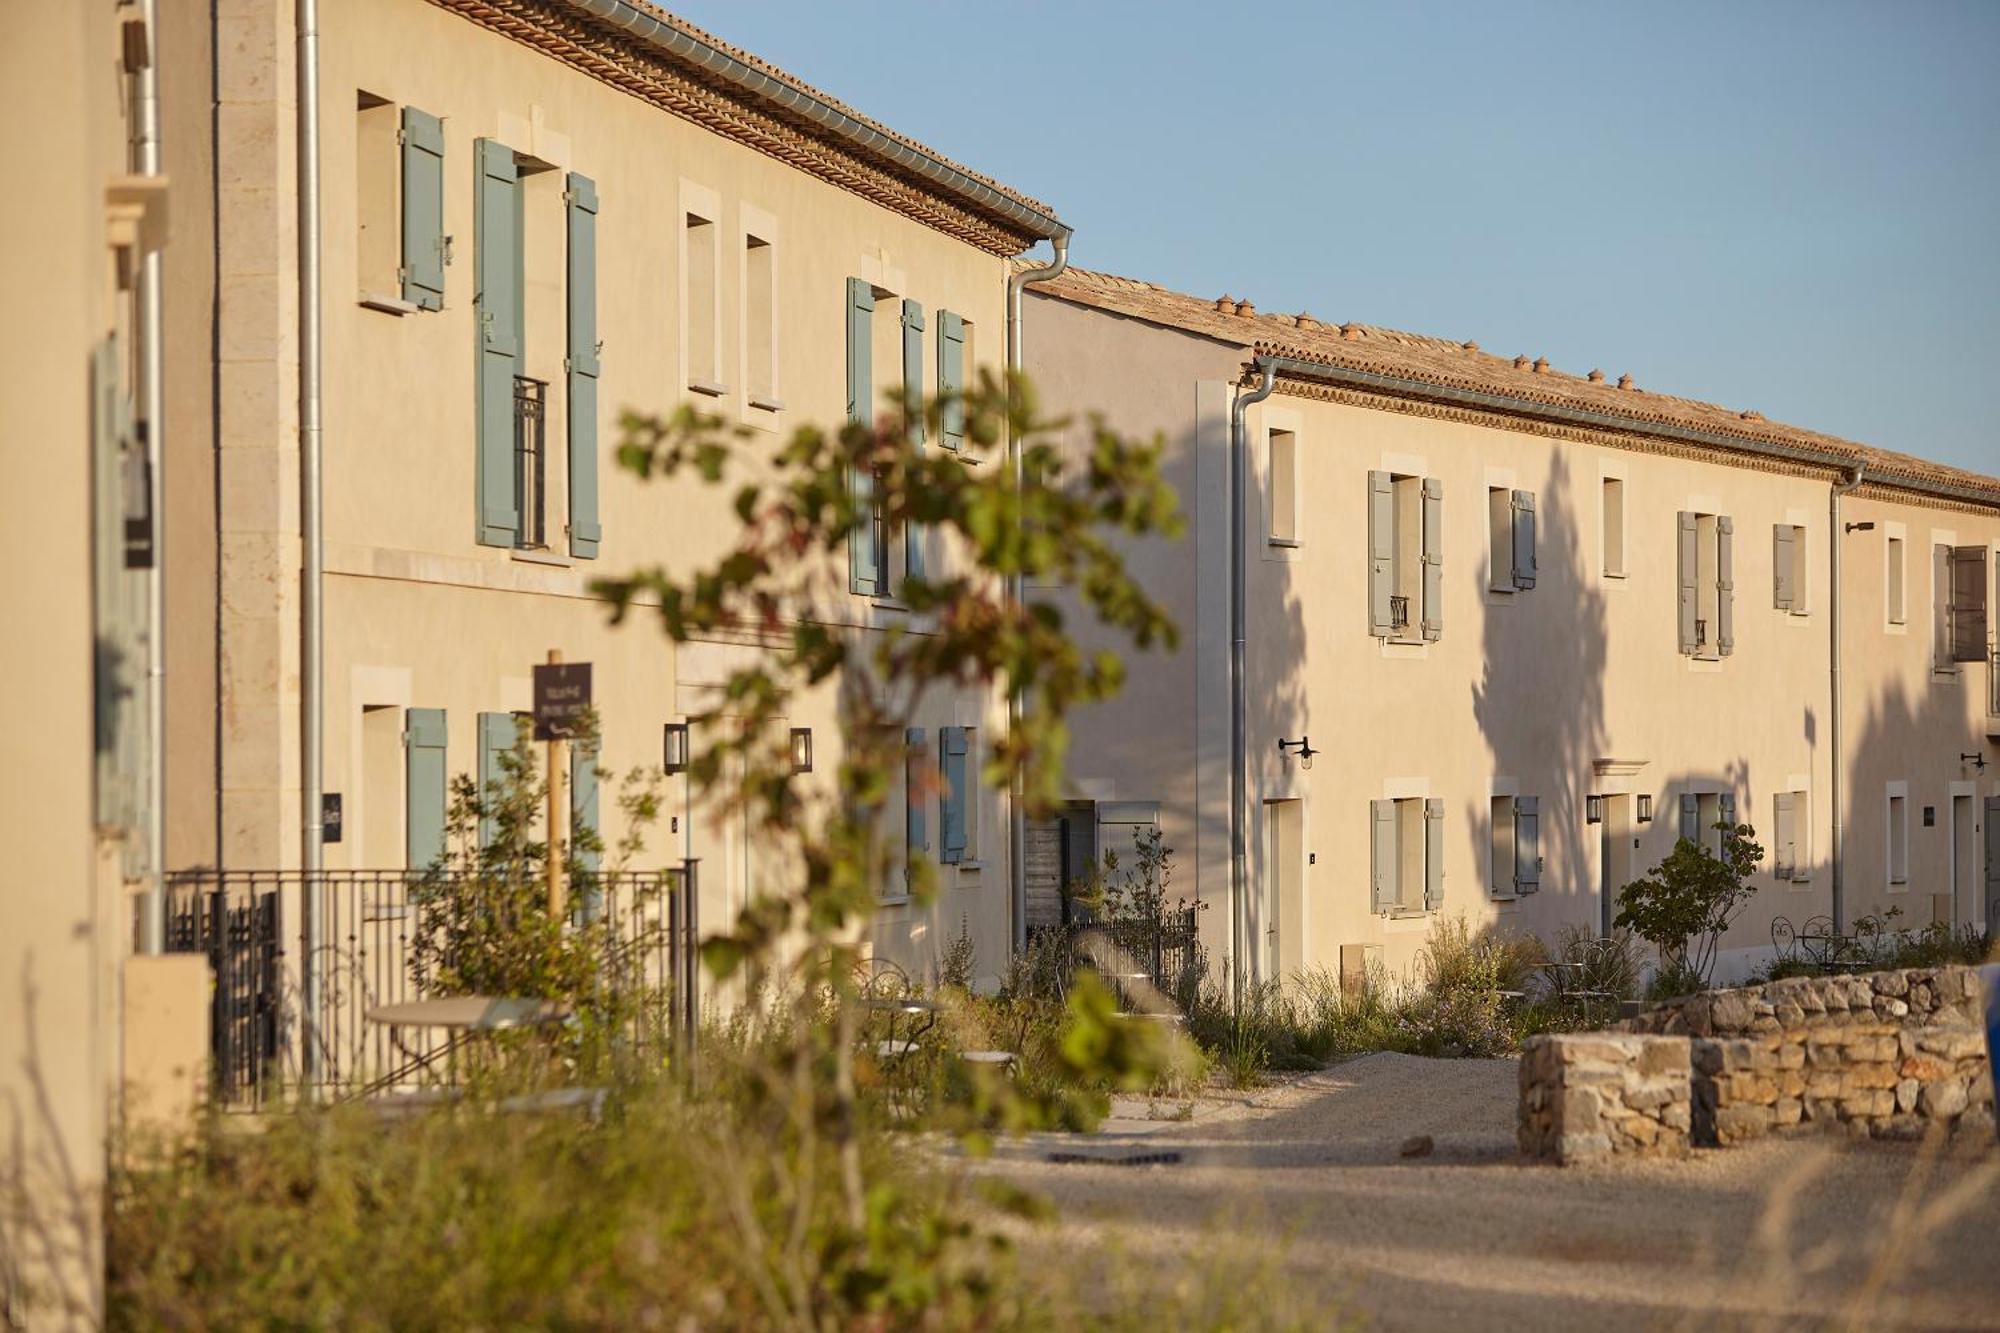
column 146, row 162
column 312, row 547
column 1834, row 537
column 1239, row 484
column 1017, row 823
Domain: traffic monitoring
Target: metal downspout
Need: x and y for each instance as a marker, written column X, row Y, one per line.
column 146, row 162
column 312, row 547
column 1017, row 823
column 1239, row 815
column 1834, row 538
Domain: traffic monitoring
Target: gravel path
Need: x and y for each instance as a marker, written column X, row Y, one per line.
column 1782, row 1234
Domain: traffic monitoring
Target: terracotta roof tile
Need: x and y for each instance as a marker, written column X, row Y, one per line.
column 1452, row 364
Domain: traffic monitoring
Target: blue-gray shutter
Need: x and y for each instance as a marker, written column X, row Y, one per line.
column 423, row 209
column 1783, row 593
column 1433, row 854
column 951, row 379
column 497, row 264
column 1524, row 539
column 1433, row 559
column 916, row 768
column 864, row 556
column 1967, row 619
column 496, row 737
column 1784, row 853
column 584, row 529
column 583, row 814
column 953, row 746
column 1385, row 855
column 914, row 536
column 1725, row 805
column 1527, row 844
column 424, row 787
column 1690, row 816
column 1381, row 552
column 1688, row 563
column 1725, row 585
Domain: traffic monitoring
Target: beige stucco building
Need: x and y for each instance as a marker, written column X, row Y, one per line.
column 1535, row 625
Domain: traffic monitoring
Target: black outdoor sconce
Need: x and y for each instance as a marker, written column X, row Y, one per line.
column 1304, row 746
column 676, row 757
column 1593, row 809
column 1868, row 526
column 1976, row 759
column 802, row 750
column 1646, row 808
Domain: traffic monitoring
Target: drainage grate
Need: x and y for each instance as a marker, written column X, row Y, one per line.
column 1101, row 1159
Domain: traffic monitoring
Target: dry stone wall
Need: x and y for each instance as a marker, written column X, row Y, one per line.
column 1591, row 1094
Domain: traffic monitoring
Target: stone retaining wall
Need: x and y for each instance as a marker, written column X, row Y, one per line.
column 1886, row 1054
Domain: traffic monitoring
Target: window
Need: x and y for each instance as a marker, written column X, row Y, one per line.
column 1788, row 568
column 1510, row 527
column 1964, row 614
column 701, row 317
column 1611, row 518
column 531, row 471
column 1405, row 557
column 954, row 353
column 1707, row 590
column 1894, row 593
column 378, row 246
column 958, row 795
column 1791, row 836
column 1407, row 853
column 1701, row 812
column 1283, row 470
column 1899, row 835
column 1517, row 846
column 760, row 323
column 400, row 247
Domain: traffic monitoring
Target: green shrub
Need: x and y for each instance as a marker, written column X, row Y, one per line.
column 1685, row 903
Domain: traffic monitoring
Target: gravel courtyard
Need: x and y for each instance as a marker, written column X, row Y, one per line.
column 1309, row 1175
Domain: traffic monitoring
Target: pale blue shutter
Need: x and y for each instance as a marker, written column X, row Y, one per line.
column 496, row 738
column 497, row 304
column 951, row 379
column 914, row 536
column 916, row 830
column 584, row 529
column 953, row 746
column 1690, row 816
column 1524, row 539
column 1783, row 593
column 423, row 209
column 1433, row 559
column 1433, row 855
column 1726, row 810
column 424, row 787
column 1381, row 552
column 864, row 556
column 1527, row 844
column 1688, row 563
column 1784, row 854
column 1725, row 585
column 1385, row 856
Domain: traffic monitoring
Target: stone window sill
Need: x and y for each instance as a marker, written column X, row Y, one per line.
column 708, row 387
column 388, row 305
column 530, row 557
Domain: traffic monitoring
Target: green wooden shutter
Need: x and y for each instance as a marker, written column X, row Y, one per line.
column 583, row 809
column 1688, row 562
column 1968, row 604
column 1385, row 856
column 1433, row 855
column 1784, row 852
column 424, row 787
column 1725, row 585
column 423, row 209
column 1524, row 539
column 496, row 737
column 864, row 555
column 953, row 747
column 1783, row 593
column 1725, row 806
column 916, row 829
column 1527, row 844
column 1690, row 816
column 951, row 379
column 914, row 535
column 582, row 366
column 1433, row 559
column 1381, row 552
column 497, row 262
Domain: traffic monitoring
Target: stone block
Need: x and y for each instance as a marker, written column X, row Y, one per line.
column 1791, row 1055
column 1735, row 1124
column 1729, row 1011
column 1579, row 1110
column 1892, row 983
column 1943, row 1100
column 1665, row 1055
column 1906, row 1095
column 1787, row 1111
column 1924, row 1068
column 1952, row 1043
column 1872, row 1076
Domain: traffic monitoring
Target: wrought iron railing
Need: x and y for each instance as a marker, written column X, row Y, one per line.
column 531, row 460
column 1399, row 612
column 1993, row 683
column 647, row 923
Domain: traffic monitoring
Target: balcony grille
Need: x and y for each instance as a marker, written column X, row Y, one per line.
column 1399, row 613
column 531, row 461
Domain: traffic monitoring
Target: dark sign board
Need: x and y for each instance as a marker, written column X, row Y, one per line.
column 329, row 816
column 562, row 700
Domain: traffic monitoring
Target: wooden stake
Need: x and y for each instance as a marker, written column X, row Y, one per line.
column 558, row 753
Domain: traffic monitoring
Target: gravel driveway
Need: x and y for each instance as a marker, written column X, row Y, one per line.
column 1781, row 1234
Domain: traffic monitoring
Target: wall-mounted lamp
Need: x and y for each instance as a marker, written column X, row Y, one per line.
column 676, row 758
column 802, row 749
column 1977, row 760
column 1646, row 808
column 1861, row 527
column 1593, row 809
column 1304, row 746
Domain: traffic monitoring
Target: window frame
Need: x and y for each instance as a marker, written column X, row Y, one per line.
column 1896, row 839
column 700, row 217
column 1896, row 579
column 1282, row 499
column 1610, row 488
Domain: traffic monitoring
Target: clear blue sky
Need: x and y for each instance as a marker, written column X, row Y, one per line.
column 1792, row 207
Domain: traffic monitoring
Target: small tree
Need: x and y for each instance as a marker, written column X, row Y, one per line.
column 1686, row 903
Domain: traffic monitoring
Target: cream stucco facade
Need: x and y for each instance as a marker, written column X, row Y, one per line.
column 1572, row 688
